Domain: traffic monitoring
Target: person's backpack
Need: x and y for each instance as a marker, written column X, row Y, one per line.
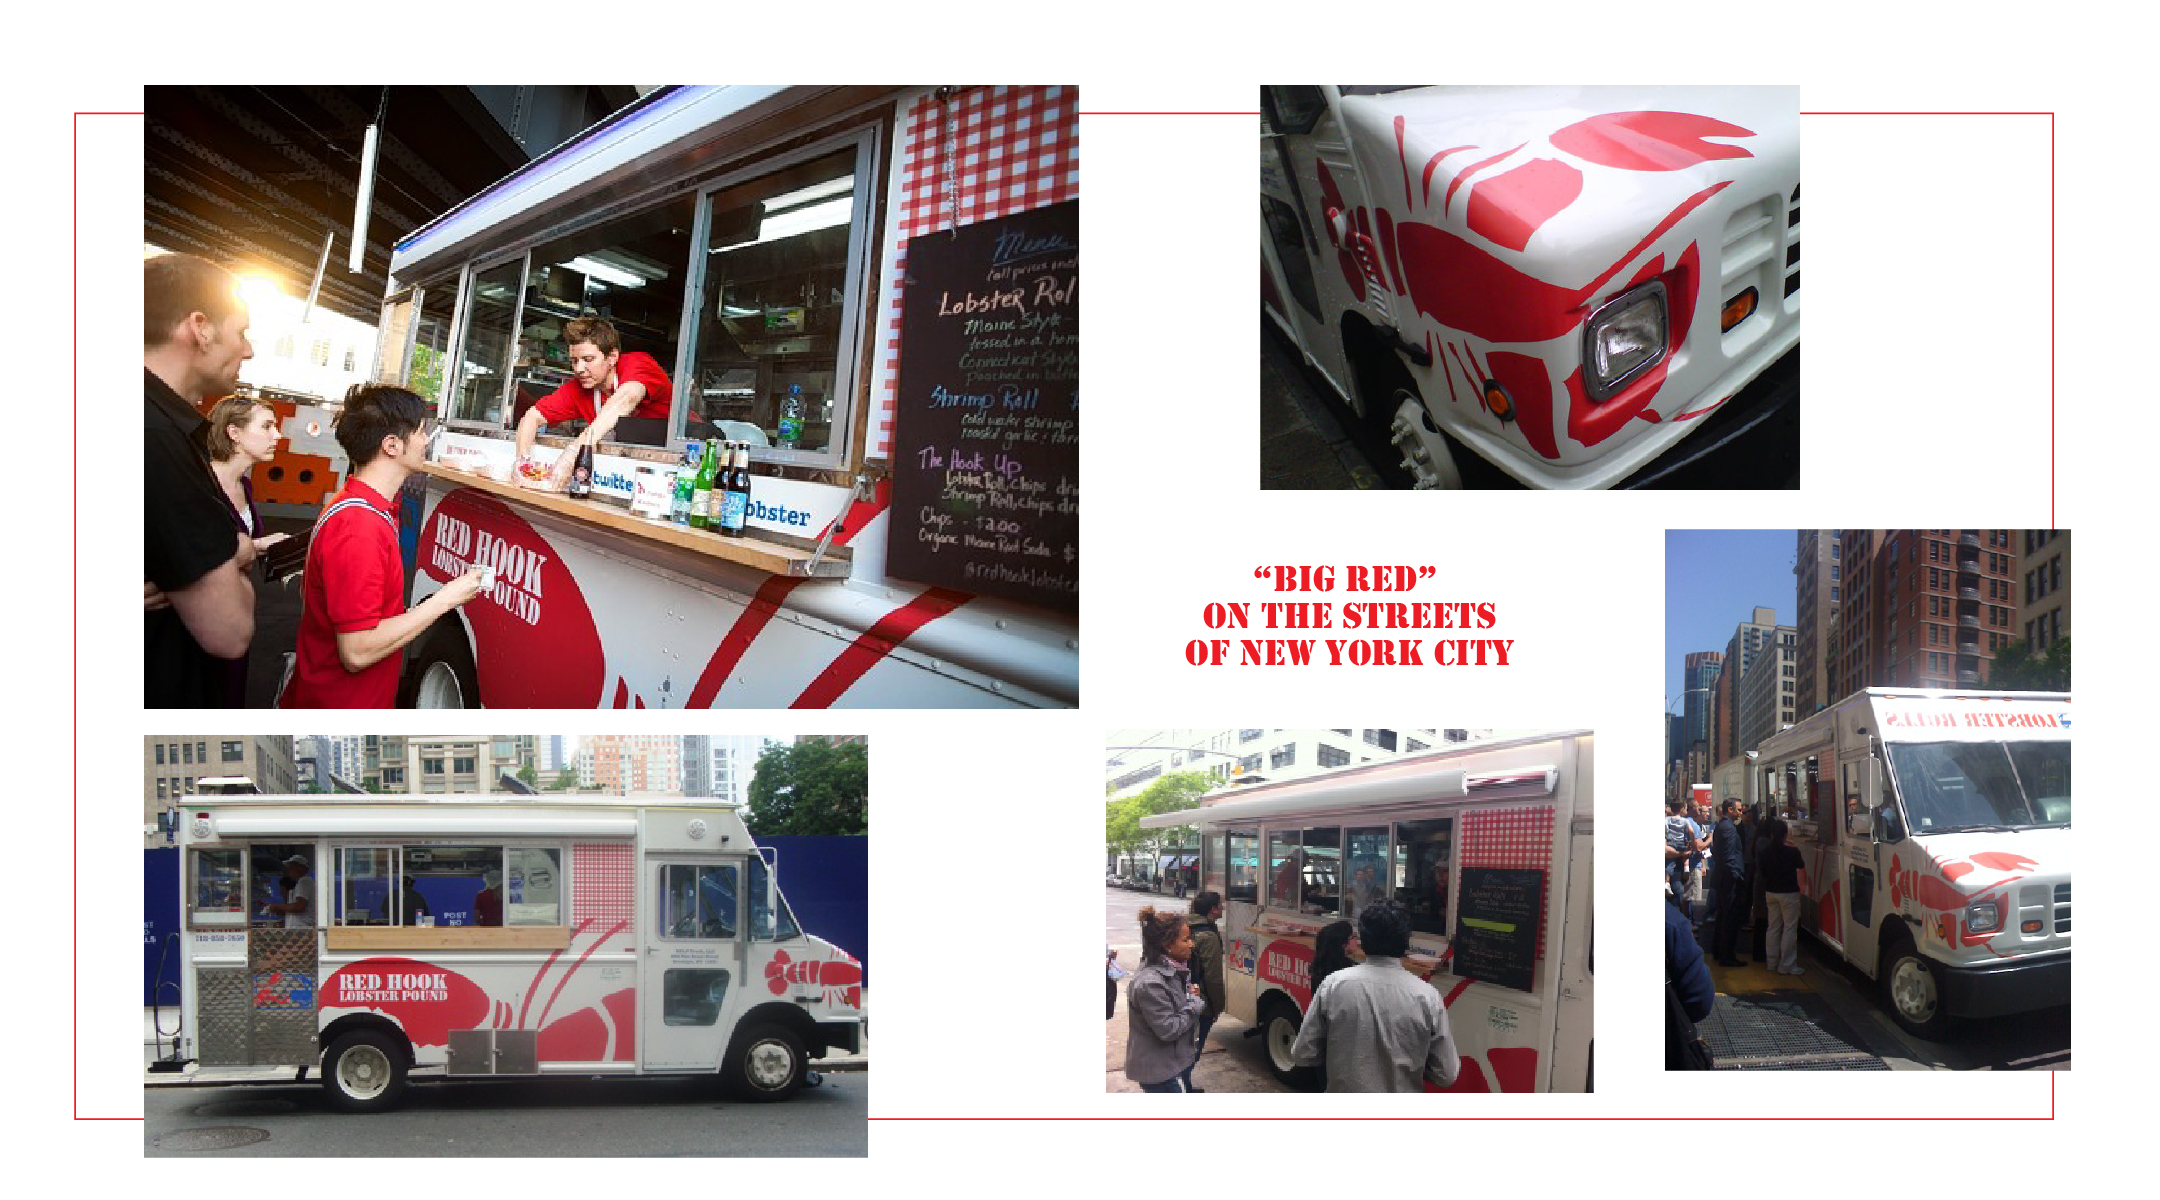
column 1684, row 1048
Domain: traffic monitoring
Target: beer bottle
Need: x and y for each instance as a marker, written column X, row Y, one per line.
column 581, row 474
column 701, row 490
column 735, row 513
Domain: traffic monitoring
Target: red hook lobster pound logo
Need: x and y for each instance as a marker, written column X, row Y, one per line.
column 836, row 975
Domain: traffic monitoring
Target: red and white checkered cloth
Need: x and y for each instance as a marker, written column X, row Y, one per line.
column 1517, row 839
column 1009, row 149
column 605, row 891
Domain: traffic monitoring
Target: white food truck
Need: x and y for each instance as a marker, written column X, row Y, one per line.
column 1935, row 827
column 457, row 937
column 751, row 241
column 1576, row 285
column 1487, row 847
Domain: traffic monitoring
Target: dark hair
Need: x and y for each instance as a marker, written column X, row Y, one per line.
column 177, row 286
column 1777, row 830
column 1205, row 903
column 1385, row 929
column 372, row 412
column 1731, row 807
column 1330, row 952
column 596, row 330
column 1673, row 807
column 1157, row 931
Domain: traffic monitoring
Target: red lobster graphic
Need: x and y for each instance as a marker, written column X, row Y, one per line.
column 835, row 975
column 1931, row 892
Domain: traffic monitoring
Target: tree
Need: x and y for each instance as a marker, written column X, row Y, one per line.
column 814, row 787
column 2017, row 669
column 565, row 779
column 529, row 775
column 1168, row 793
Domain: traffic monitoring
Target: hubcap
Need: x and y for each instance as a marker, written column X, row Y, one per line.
column 1914, row 990
column 1281, row 1035
column 770, row 1064
column 363, row 1072
column 439, row 688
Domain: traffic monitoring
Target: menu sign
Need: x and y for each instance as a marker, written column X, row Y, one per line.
column 1496, row 925
column 986, row 455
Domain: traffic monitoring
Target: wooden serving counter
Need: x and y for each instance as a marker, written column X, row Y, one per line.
column 446, row 937
column 749, row 550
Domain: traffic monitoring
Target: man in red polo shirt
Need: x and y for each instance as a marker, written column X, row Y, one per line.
column 353, row 619
column 606, row 386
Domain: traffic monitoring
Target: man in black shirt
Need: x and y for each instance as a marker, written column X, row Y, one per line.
column 1728, row 870
column 198, row 601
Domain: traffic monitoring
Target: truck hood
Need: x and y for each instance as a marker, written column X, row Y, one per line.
column 1572, row 178
column 2026, row 873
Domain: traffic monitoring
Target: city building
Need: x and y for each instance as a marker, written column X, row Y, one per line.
column 1699, row 707
column 1767, row 689
column 175, row 764
column 2044, row 611
column 311, row 764
column 633, row 763
column 1818, row 588
column 1138, row 757
column 1930, row 606
column 1750, row 639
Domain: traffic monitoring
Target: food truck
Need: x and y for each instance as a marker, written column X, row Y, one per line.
column 1935, row 826
column 458, row 937
column 875, row 290
column 1576, row 285
column 1488, row 848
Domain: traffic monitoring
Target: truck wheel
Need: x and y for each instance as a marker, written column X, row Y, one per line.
column 441, row 674
column 364, row 1072
column 1279, row 1021
column 767, row 1063
column 1913, row 991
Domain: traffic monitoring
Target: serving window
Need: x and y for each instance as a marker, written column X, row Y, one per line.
column 1244, row 868
column 449, row 886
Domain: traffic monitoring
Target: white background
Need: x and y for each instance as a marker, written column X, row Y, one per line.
column 1926, row 404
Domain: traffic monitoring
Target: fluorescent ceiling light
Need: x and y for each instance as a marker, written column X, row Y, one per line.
column 604, row 273
column 799, row 221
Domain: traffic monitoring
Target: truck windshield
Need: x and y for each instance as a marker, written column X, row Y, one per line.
column 1959, row 785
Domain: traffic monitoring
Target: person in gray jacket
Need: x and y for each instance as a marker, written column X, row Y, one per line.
column 1162, row 1004
column 1379, row 1027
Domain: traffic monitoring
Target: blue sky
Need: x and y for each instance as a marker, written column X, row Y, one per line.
column 1714, row 579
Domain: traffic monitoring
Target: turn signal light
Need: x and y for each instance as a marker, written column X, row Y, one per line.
column 1737, row 309
column 1497, row 399
column 2030, row 927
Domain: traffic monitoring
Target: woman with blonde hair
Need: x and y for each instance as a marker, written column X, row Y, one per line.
column 243, row 432
column 1162, row 1003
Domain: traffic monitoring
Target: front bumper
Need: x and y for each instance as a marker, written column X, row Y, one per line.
column 1998, row 989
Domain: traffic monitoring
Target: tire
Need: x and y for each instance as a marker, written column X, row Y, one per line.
column 1279, row 1022
column 364, row 1072
column 441, row 673
column 766, row 1063
column 1912, row 991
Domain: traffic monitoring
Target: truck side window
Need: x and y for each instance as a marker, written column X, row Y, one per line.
column 1322, row 892
column 1294, row 109
column 697, row 901
column 1422, row 871
column 1244, row 868
column 776, row 926
column 1285, row 868
column 217, row 887
column 1365, row 857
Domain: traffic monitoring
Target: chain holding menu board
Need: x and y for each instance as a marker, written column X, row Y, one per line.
column 1496, row 926
column 986, row 455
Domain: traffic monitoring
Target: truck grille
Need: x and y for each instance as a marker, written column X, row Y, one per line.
column 1792, row 244
column 2062, row 908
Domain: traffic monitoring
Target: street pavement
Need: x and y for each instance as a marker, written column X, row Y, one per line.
column 1231, row 1062
column 552, row 1117
column 1832, row 1017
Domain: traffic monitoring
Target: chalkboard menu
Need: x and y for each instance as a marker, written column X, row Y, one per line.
column 986, row 454
column 1496, row 925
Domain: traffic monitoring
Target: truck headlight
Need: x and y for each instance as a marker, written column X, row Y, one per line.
column 1984, row 917
column 1625, row 337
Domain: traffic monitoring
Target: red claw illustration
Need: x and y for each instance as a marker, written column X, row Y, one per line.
column 835, row 975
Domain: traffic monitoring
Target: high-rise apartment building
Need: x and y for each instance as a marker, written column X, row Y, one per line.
column 2043, row 615
column 635, row 763
column 1929, row 607
column 1273, row 754
column 174, row 764
column 1767, row 689
column 1818, row 590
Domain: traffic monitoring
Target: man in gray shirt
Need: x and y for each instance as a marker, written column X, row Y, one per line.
column 1379, row 1027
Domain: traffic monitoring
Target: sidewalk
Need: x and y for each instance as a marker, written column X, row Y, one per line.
column 171, row 1014
column 1302, row 445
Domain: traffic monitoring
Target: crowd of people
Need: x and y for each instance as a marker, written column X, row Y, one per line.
column 1724, row 874
column 202, row 534
column 1372, row 1026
